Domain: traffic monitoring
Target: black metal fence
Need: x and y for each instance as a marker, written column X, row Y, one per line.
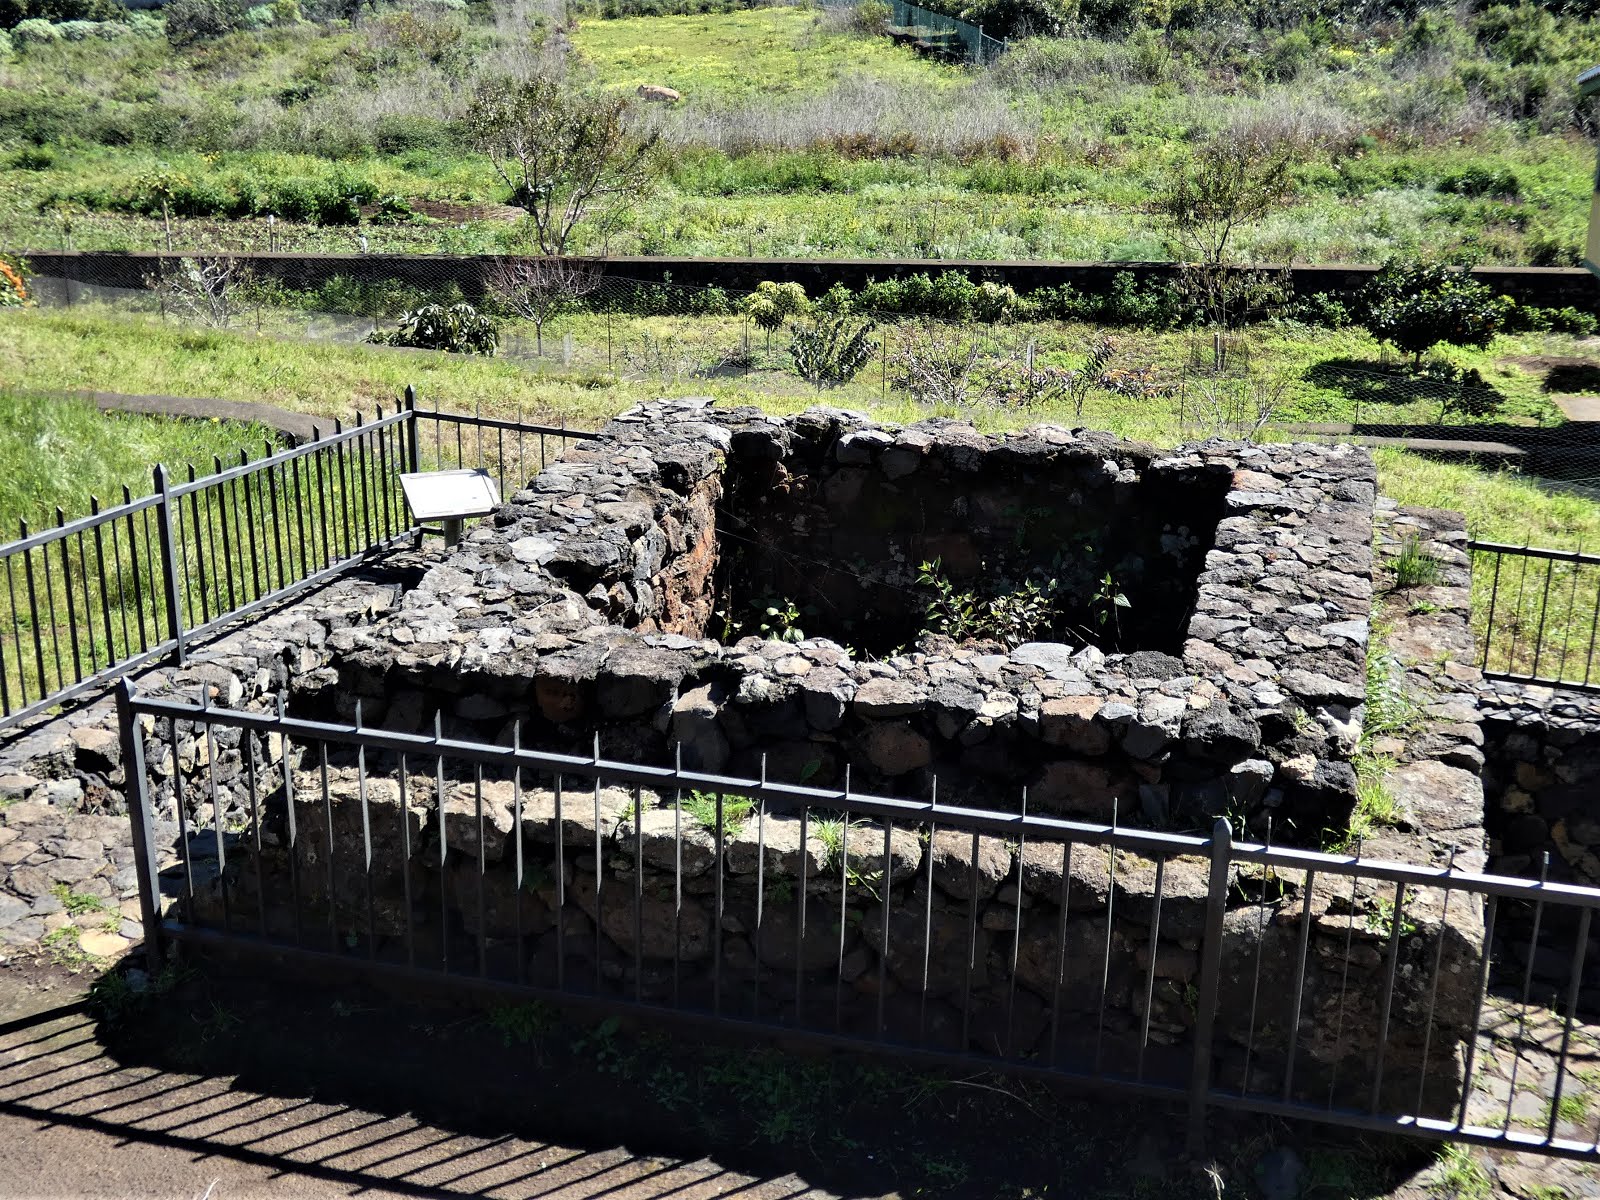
column 92, row 598
column 1198, row 970
column 1537, row 614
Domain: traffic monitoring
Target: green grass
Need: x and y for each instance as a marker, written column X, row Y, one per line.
column 1459, row 1176
column 1414, row 566
column 701, row 807
column 758, row 54
column 59, row 452
column 796, row 137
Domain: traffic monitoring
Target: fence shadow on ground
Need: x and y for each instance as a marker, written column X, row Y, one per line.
column 366, row 1090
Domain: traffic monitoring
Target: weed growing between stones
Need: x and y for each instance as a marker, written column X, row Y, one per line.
column 701, row 807
column 1414, row 566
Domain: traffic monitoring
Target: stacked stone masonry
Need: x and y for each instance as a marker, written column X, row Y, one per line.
column 580, row 609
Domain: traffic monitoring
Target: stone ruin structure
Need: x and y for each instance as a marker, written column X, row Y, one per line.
column 1231, row 683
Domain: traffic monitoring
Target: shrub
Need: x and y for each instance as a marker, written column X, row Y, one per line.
column 1482, row 181
column 1017, row 18
column 1526, row 318
column 33, row 158
column 397, row 133
column 259, row 16
column 832, row 351
column 78, row 31
column 871, row 17
column 6, row 47
column 35, row 32
column 143, row 24
column 191, row 21
column 458, row 329
column 1417, row 306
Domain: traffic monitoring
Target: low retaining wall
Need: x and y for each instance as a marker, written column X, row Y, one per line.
column 1554, row 287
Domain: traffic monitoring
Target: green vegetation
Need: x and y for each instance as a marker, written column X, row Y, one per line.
column 701, row 807
column 60, row 452
column 1459, row 1175
column 807, row 133
column 1414, row 566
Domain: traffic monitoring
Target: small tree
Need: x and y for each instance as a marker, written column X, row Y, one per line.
column 832, row 350
column 162, row 186
column 205, row 290
column 939, row 367
column 538, row 288
column 566, row 157
column 1222, row 186
column 1417, row 306
column 772, row 304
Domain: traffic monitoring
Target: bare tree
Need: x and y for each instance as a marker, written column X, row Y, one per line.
column 941, row 367
column 205, row 289
column 1238, row 406
column 538, row 288
column 567, row 157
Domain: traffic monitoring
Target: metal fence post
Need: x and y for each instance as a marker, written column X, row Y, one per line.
column 412, row 453
column 1210, row 977
column 169, row 563
column 137, row 792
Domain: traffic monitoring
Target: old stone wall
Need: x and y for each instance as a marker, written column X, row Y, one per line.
column 1270, row 680
column 576, row 611
column 1543, row 778
column 840, row 525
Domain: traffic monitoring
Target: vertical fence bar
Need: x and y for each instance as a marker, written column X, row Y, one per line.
column 169, row 564
column 72, row 609
column 138, row 795
column 1210, row 981
column 100, row 574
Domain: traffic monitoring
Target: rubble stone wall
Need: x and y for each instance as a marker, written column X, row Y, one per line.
column 581, row 608
column 1542, row 777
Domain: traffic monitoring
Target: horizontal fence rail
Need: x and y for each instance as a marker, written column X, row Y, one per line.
column 1198, row 970
column 1537, row 613
column 87, row 600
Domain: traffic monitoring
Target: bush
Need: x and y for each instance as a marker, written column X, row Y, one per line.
column 143, row 24
column 1017, row 18
column 398, row 133
column 259, row 16
column 191, row 21
column 1526, row 318
column 33, row 158
column 1417, row 306
column 871, row 17
column 35, row 32
column 1482, row 181
column 78, row 31
column 458, row 329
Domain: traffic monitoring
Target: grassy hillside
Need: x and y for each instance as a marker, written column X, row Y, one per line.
column 801, row 133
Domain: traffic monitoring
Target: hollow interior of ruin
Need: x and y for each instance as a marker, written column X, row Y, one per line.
column 837, row 550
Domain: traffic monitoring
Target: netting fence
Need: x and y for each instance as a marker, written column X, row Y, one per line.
column 936, row 33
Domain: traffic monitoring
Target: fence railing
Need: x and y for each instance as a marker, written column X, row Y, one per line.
column 1537, row 613
column 93, row 598
column 1199, row 970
